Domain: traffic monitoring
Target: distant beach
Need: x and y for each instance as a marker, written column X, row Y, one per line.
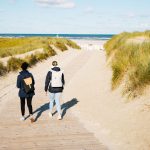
column 69, row 36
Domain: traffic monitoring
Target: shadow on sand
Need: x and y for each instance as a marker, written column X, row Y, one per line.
column 65, row 106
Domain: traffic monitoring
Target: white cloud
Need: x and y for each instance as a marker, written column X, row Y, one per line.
column 56, row 3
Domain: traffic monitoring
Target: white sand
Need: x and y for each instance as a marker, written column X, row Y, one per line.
column 117, row 124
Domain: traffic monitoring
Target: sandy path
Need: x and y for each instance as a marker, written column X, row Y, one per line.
column 67, row 134
column 119, row 124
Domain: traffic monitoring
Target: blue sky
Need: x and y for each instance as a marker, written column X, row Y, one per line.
column 74, row 16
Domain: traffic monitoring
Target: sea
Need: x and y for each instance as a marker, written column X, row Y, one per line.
column 69, row 36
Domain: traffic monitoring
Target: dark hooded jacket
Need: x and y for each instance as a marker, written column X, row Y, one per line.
column 48, row 85
column 24, row 74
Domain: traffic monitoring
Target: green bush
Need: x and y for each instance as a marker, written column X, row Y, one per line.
column 14, row 64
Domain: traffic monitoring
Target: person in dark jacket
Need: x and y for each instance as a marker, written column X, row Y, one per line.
column 24, row 96
column 54, row 83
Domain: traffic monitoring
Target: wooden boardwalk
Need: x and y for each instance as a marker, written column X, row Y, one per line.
column 46, row 133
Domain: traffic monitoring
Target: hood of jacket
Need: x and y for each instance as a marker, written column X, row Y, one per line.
column 56, row 69
column 25, row 73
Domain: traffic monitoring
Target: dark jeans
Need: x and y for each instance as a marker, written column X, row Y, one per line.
column 29, row 104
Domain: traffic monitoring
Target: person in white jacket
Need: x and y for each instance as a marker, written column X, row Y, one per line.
column 54, row 83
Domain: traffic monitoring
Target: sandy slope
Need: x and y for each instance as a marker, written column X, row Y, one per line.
column 116, row 123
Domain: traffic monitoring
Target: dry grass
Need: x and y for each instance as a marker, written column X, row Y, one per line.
column 130, row 61
column 13, row 46
column 3, row 69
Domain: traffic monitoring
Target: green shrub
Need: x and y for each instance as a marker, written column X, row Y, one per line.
column 14, row 64
column 3, row 69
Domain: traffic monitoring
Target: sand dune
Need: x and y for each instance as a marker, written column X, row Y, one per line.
column 118, row 124
column 5, row 59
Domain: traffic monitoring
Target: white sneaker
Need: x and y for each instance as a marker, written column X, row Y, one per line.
column 59, row 117
column 50, row 114
column 22, row 118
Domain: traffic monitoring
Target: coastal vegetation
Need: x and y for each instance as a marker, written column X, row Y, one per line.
column 3, row 69
column 130, row 61
column 13, row 46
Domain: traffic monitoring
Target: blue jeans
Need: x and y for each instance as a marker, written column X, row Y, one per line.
column 55, row 97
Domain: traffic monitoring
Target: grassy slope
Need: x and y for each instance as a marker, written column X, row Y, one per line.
column 13, row 46
column 130, row 61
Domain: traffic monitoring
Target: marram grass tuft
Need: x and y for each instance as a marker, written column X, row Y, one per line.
column 130, row 61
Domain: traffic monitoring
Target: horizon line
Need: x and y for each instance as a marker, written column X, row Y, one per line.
column 65, row 33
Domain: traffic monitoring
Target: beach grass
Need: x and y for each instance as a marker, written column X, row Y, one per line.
column 13, row 46
column 3, row 69
column 130, row 61
column 14, row 64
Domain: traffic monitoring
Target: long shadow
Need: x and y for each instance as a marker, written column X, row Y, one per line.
column 64, row 107
column 40, row 110
column 67, row 106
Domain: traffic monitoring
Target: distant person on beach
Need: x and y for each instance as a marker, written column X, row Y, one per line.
column 25, row 83
column 54, row 83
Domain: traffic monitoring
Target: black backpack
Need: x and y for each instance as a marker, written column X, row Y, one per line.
column 28, row 85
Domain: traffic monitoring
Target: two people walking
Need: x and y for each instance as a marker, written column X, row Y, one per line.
column 54, row 84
